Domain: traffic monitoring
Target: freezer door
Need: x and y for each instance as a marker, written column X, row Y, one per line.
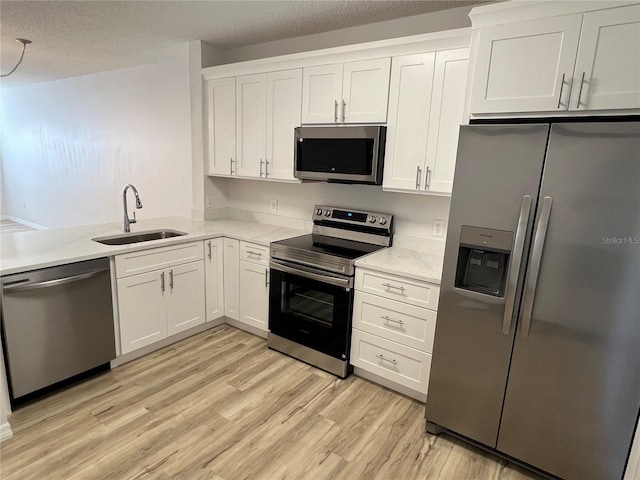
column 574, row 386
column 497, row 175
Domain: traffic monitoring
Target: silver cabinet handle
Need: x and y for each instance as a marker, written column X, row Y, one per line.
column 171, row 279
column 390, row 287
column 335, row 111
column 52, row 283
column 384, row 359
column 344, row 107
column 389, row 319
column 534, row 266
column 231, row 161
column 209, row 243
column 561, row 88
column 266, row 169
column 427, row 179
column 515, row 264
column 162, row 287
column 252, row 253
column 261, row 164
column 580, row 91
column 266, row 277
column 418, row 175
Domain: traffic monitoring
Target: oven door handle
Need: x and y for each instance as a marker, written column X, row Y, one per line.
column 337, row 281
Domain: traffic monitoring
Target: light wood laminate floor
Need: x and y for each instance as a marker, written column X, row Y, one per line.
column 222, row 406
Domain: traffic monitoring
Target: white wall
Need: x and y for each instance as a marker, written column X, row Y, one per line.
column 413, row 213
column 400, row 27
column 70, row 146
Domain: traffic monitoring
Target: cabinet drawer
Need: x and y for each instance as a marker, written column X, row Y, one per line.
column 398, row 288
column 251, row 252
column 156, row 258
column 403, row 365
column 406, row 324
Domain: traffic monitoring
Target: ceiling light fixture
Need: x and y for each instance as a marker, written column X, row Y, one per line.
column 24, row 43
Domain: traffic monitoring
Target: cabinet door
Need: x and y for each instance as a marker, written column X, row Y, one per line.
column 409, row 106
column 142, row 309
column 447, row 114
column 214, row 278
column 254, row 295
column 365, row 91
column 186, row 299
column 251, row 108
column 221, row 125
column 231, row 278
column 321, row 93
column 525, row 67
column 607, row 73
column 284, row 107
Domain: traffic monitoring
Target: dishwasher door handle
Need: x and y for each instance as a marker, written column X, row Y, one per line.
column 51, row 283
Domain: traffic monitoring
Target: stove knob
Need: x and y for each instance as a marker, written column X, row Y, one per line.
column 383, row 221
column 327, row 213
column 372, row 219
column 319, row 212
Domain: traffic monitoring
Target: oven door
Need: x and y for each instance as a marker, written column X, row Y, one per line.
column 311, row 308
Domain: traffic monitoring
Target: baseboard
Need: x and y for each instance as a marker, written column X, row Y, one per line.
column 421, row 397
column 247, row 328
column 5, row 432
column 24, row 222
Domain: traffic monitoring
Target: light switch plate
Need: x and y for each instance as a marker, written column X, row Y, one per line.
column 209, row 201
column 437, row 228
column 274, row 206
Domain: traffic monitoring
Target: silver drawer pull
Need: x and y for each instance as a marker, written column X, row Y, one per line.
column 384, row 359
column 251, row 252
column 389, row 319
column 390, row 287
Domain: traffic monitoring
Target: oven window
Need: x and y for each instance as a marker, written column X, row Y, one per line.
column 308, row 303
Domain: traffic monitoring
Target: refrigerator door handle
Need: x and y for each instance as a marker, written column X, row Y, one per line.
column 515, row 265
column 534, row 266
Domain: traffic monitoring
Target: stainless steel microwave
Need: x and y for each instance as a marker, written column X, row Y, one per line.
column 353, row 154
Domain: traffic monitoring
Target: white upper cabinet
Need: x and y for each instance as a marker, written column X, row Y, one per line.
column 284, row 107
column 561, row 64
column 447, row 114
column 220, row 98
column 408, row 125
column 607, row 73
column 251, row 110
column 426, row 109
column 525, row 67
column 353, row 92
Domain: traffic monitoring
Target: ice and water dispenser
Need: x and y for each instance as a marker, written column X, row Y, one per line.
column 483, row 260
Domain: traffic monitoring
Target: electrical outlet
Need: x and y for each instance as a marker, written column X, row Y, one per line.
column 209, row 201
column 437, row 228
column 274, row 206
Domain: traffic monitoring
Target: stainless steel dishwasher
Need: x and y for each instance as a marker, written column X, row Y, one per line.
column 57, row 323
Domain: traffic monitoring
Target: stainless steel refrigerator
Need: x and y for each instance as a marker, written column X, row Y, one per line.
column 537, row 343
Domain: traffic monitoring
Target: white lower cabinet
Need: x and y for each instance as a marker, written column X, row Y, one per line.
column 246, row 285
column 393, row 332
column 214, row 278
column 254, row 295
column 158, row 303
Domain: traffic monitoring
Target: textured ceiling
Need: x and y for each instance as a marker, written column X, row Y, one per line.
column 81, row 37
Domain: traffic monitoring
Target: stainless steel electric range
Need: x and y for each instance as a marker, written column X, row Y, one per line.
column 311, row 288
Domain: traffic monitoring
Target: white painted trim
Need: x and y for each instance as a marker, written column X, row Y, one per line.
column 5, row 432
column 419, row 396
column 521, row 11
column 247, row 328
column 24, row 222
column 633, row 465
column 450, row 39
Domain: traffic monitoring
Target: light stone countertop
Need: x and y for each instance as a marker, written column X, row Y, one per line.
column 416, row 258
column 24, row 251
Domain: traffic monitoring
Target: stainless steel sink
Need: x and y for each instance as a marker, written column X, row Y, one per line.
column 138, row 237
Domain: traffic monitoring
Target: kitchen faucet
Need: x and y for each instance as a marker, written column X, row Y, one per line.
column 127, row 220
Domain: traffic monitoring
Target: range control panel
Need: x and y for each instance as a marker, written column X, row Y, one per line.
column 354, row 217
